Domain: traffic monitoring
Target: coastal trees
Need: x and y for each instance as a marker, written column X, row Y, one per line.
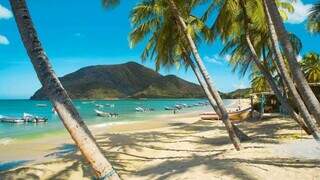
column 311, row 67
column 58, row 95
column 248, row 40
column 280, row 37
column 172, row 38
column 314, row 18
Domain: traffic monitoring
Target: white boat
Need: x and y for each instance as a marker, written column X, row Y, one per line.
column 139, row 109
column 99, row 105
column 34, row 119
column 102, row 113
column 27, row 116
column 110, row 105
column 237, row 115
column 41, row 105
column 168, row 108
column 8, row 119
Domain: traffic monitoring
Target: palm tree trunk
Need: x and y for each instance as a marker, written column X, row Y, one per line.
column 267, row 74
column 302, row 84
column 57, row 94
column 242, row 136
column 283, row 83
column 275, row 89
column 225, row 118
column 285, row 75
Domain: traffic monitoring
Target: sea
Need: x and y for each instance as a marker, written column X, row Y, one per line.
column 126, row 108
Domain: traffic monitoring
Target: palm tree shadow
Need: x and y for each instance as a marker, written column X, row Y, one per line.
column 125, row 150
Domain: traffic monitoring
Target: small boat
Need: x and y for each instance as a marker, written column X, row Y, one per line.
column 140, row 109
column 168, row 108
column 110, row 105
column 99, row 105
column 34, row 119
column 178, row 107
column 102, row 113
column 8, row 119
column 235, row 115
column 41, row 105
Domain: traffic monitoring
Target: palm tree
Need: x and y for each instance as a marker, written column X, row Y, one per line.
column 58, row 95
column 279, row 36
column 170, row 43
column 311, row 67
column 246, row 49
column 285, row 74
column 314, row 18
column 259, row 83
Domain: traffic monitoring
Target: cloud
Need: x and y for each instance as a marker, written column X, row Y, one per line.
column 300, row 13
column 216, row 59
column 240, row 85
column 4, row 40
column 5, row 13
column 299, row 58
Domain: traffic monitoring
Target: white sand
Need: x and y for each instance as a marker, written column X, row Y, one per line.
column 186, row 148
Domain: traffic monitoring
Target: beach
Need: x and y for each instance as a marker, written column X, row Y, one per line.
column 175, row 147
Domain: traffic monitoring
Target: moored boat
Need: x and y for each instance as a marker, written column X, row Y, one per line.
column 8, row 119
column 102, row 113
column 41, row 105
column 234, row 115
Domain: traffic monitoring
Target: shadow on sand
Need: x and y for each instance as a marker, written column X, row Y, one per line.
column 126, row 150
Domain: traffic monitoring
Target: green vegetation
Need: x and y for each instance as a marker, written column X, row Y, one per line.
column 129, row 80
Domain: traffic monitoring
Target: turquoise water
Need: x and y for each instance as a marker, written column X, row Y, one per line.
column 125, row 109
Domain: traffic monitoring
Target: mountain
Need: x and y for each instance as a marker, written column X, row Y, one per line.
column 129, row 80
column 239, row 93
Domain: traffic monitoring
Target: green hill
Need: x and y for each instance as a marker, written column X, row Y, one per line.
column 129, row 80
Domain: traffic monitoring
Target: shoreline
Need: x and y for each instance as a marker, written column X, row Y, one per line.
column 40, row 148
column 185, row 147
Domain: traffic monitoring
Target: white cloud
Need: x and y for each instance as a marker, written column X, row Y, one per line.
column 227, row 57
column 300, row 13
column 216, row 59
column 4, row 40
column 241, row 85
column 299, row 58
column 5, row 13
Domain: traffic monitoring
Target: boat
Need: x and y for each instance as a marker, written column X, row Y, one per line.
column 140, row 109
column 168, row 108
column 8, row 119
column 178, row 107
column 102, row 113
column 41, row 105
column 99, row 105
column 34, row 119
column 234, row 115
column 110, row 105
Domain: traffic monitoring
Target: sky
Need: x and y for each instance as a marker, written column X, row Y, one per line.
column 77, row 33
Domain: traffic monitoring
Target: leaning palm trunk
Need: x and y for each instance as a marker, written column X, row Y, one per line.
column 285, row 75
column 268, row 76
column 301, row 83
column 57, row 94
column 239, row 133
column 225, row 118
column 275, row 89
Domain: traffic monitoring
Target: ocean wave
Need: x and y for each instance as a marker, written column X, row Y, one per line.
column 6, row 141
